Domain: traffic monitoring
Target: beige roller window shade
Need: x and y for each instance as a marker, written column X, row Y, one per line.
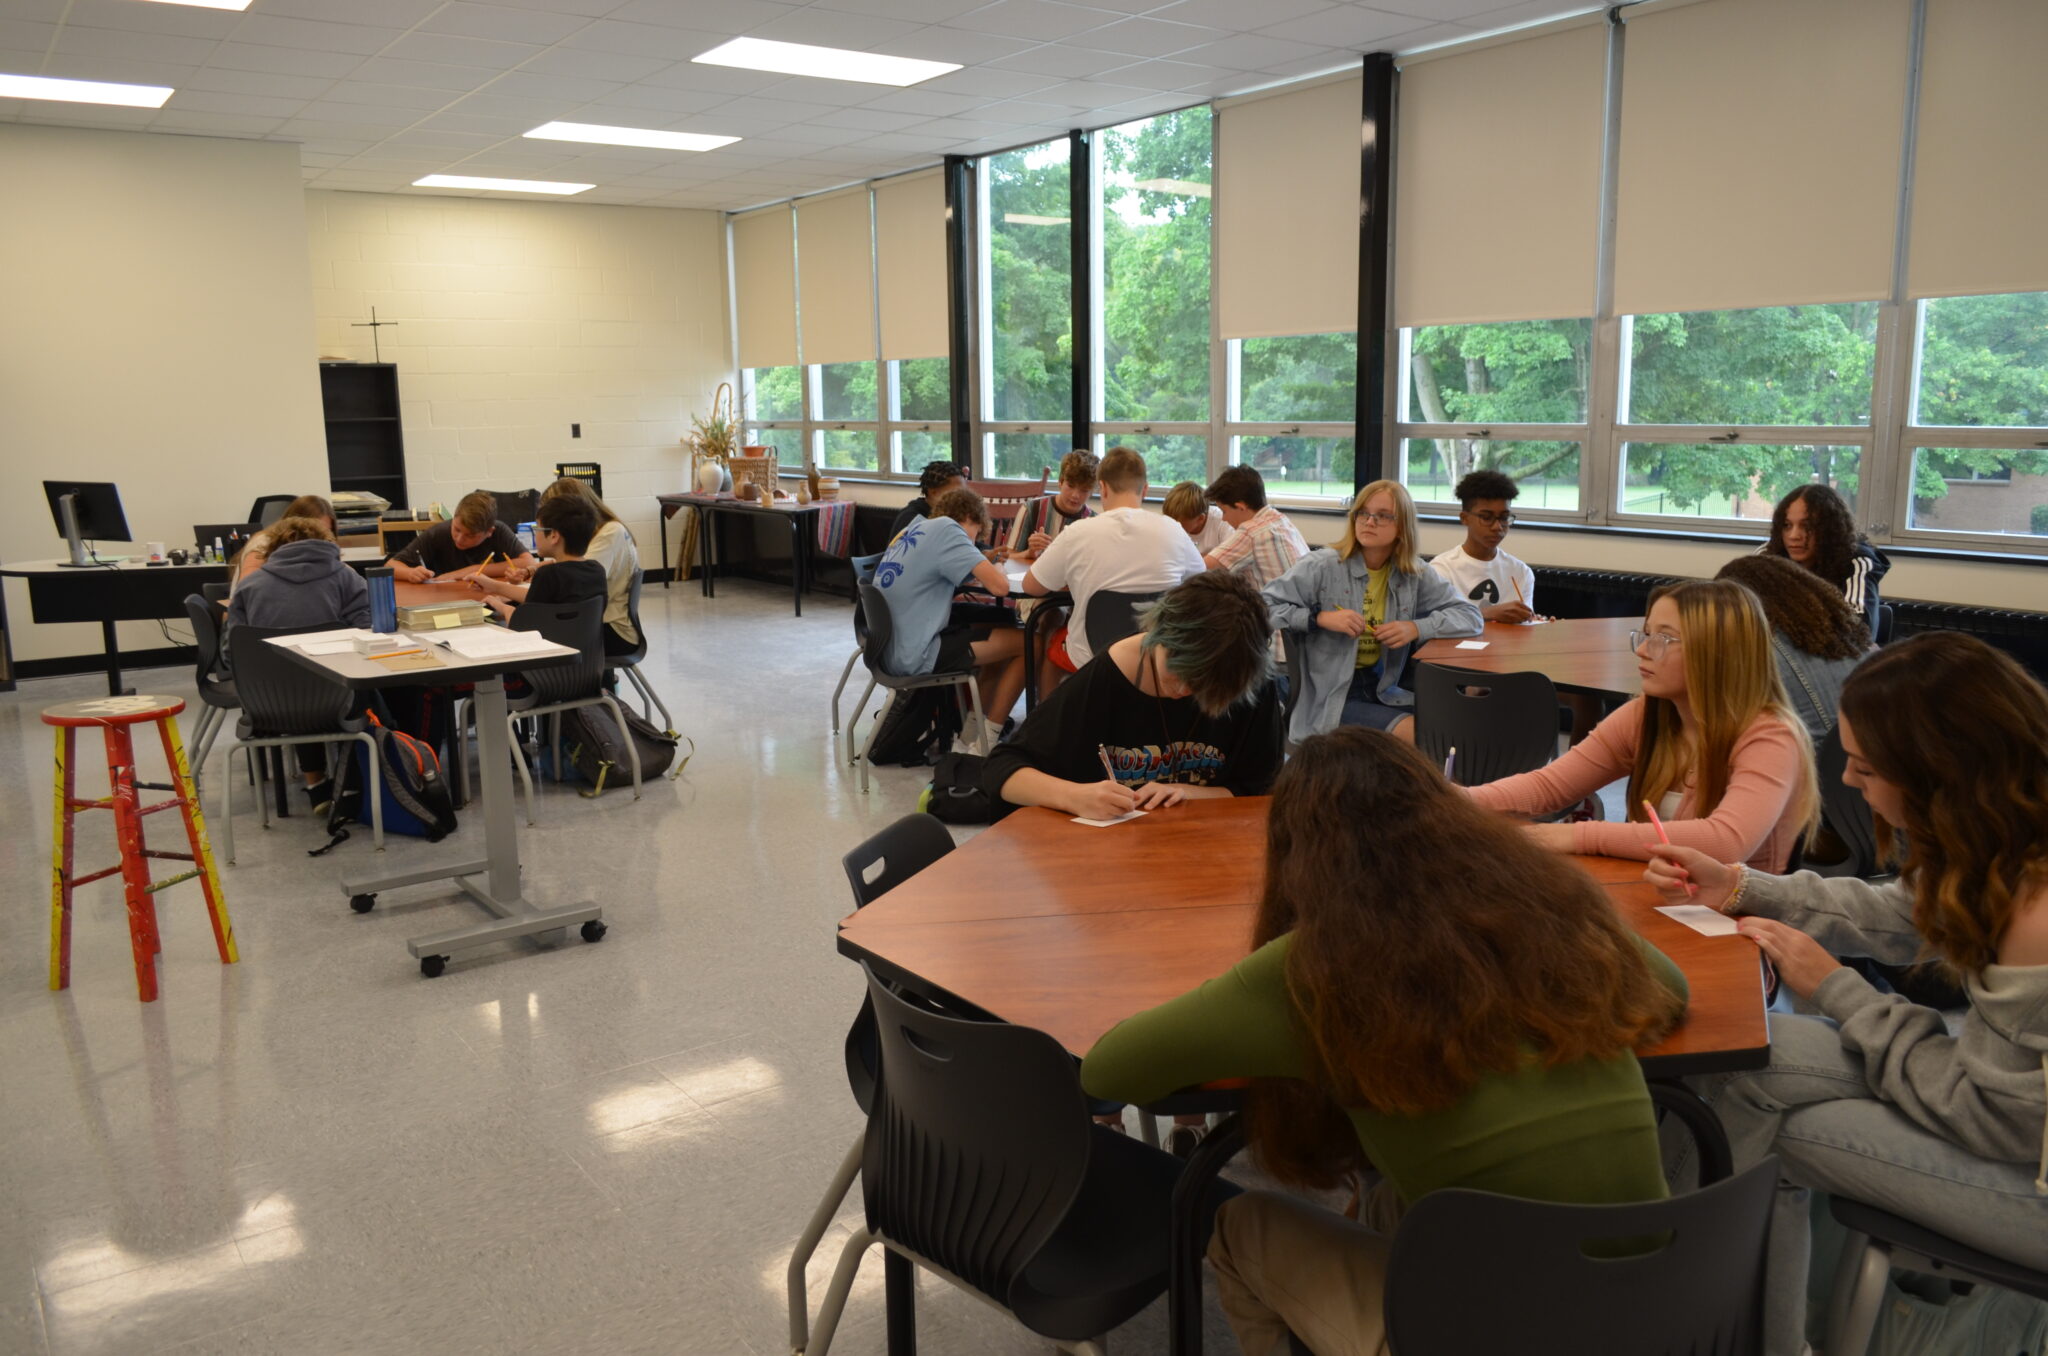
column 1980, row 175
column 764, row 279
column 1287, row 212
column 1760, row 154
column 1497, row 212
column 835, row 261
column 910, row 259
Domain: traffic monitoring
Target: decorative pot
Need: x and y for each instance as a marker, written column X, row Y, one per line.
column 710, row 477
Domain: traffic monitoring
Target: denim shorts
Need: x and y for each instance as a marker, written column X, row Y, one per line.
column 1362, row 705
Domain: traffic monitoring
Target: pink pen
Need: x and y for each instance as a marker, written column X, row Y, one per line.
column 1665, row 838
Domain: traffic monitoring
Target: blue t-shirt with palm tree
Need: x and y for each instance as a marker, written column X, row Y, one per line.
column 919, row 574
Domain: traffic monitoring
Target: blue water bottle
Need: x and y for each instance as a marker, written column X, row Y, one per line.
column 383, row 599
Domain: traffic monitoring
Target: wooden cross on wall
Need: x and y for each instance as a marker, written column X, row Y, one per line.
column 373, row 325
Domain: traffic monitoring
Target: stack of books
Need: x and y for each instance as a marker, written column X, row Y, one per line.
column 441, row 616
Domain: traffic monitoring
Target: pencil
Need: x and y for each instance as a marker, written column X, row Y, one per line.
column 1516, row 580
column 1665, row 838
column 1108, row 768
column 1450, row 759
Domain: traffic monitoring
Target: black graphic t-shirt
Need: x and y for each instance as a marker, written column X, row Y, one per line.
column 1149, row 739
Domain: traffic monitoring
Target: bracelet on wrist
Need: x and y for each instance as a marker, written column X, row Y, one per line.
column 1741, row 884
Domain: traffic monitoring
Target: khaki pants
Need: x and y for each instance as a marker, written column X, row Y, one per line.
column 1284, row 1264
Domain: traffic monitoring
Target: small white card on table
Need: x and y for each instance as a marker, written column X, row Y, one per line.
column 1700, row 919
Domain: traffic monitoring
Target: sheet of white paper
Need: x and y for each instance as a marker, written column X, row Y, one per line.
column 1700, row 919
column 1105, row 823
column 303, row 639
column 492, row 642
column 327, row 647
column 1473, row 644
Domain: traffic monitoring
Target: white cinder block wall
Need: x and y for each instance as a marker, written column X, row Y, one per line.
column 518, row 319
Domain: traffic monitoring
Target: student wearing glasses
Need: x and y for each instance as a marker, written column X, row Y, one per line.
column 1711, row 743
column 1363, row 605
column 1477, row 568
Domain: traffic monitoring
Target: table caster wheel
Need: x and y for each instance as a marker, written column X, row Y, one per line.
column 593, row 931
column 432, row 966
column 362, row 903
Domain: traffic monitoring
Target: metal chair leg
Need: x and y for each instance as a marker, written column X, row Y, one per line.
column 648, row 694
column 807, row 1243
column 458, row 752
column 227, row 803
column 881, row 719
column 1859, row 1295
column 373, row 792
column 844, row 674
column 519, row 761
column 850, row 1258
column 853, row 725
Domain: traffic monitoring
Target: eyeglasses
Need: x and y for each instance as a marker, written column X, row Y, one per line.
column 1496, row 519
column 1380, row 519
column 1656, row 642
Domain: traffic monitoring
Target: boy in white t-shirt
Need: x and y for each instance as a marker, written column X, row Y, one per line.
column 1504, row 587
column 1123, row 549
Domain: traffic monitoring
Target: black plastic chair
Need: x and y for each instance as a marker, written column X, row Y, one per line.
column 285, row 704
column 1878, row 1241
column 1500, row 723
column 516, row 506
column 863, row 573
column 900, row 851
column 564, row 687
column 1886, row 620
column 629, row 664
column 269, row 508
column 216, row 686
column 1113, row 616
column 981, row 1163
column 1701, row 1291
column 875, row 654
column 1844, row 810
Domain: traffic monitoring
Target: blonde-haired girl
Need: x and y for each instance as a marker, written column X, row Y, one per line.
column 1363, row 605
column 613, row 548
column 1711, row 743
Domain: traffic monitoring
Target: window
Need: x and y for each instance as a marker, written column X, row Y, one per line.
column 1980, row 415
column 1547, row 473
column 1021, row 456
column 1509, row 397
column 1029, row 267
column 1293, row 399
column 1318, row 468
column 1154, row 217
column 847, row 407
column 1169, row 458
column 920, row 412
column 1778, row 365
column 1729, row 480
column 773, row 394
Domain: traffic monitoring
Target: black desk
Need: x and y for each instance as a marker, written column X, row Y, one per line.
column 803, row 534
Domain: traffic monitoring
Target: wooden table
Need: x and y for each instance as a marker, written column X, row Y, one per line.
column 1588, row 654
column 802, row 520
column 1024, row 925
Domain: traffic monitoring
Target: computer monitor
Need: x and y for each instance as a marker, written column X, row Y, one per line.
column 85, row 511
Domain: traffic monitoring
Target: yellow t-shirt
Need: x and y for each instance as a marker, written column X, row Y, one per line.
column 1375, row 609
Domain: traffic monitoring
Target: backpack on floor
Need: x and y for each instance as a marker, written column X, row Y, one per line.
column 593, row 744
column 918, row 728
column 956, row 795
column 415, row 795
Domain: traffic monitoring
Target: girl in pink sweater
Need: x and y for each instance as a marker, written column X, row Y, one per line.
column 1711, row 743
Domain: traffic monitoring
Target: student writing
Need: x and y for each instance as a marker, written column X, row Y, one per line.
column 562, row 529
column 1432, row 997
column 1875, row 1098
column 473, row 536
column 1262, row 542
column 1710, row 743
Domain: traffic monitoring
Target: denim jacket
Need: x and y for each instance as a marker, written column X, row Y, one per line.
column 1812, row 684
column 1322, row 581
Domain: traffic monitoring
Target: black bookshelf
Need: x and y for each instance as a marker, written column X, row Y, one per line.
column 365, row 441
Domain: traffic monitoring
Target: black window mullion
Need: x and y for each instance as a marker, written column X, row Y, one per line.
column 1375, row 207
column 1081, row 272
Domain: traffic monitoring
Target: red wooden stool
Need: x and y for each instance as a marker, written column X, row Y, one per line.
column 113, row 716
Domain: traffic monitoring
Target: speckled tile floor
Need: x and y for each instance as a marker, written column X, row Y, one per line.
column 576, row 1148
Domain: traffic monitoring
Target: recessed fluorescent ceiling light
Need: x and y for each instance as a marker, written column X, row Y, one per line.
column 83, row 91
column 1185, row 187
column 1023, row 219
column 828, row 63
column 209, row 4
column 498, row 185
column 629, row 136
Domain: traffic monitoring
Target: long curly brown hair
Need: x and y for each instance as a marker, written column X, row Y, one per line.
column 1433, row 944
column 1962, row 731
column 1801, row 606
column 1832, row 525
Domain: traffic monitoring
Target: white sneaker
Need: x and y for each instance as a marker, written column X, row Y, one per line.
column 969, row 738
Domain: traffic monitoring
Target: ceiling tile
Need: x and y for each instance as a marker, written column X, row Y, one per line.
column 872, row 119
column 494, row 102
column 609, row 66
column 443, row 139
column 189, row 100
column 215, row 124
column 1176, row 75
column 712, row 16
column 307, row 35
column 75, row 67
column 18, row 35
column 39, row 11
column 989, row 84
column 1236, row 14
column 219, row 80
column 1023, row 112
column 1059, row 60
column 448, row 49
column 822, row 133
column 359, row 115
column 1441, row 11
column 831, row 28
column 158, row 47
column 763, row 112
column 1041, row 19
column 503, row 23
column 717, row 79
column 588, row 8
column 938, row 43
column 1533, row 11
column 383, row 13
column 1148, row 37
column 677, row 44
column 243, row 56
column 421, row 74
column 919, row 11
column 390, row 96
column 180, row 20
column 1250, row 52
column 1347, row 26
column 653, row 98
column 559, row 89
column 927, row 104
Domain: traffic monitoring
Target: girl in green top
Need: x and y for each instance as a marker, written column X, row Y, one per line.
column 1431, row 997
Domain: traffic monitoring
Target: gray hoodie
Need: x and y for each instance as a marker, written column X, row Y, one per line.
column 1984, row 1088
column 303, row 585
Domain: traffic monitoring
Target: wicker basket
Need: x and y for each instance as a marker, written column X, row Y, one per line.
column 758, row 468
